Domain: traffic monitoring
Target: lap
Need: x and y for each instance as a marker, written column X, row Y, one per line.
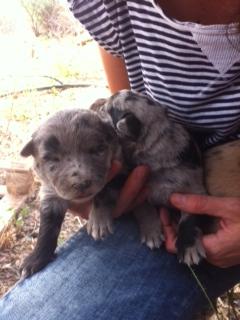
column 117, row 278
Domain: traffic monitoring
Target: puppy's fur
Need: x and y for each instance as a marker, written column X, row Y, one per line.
column 148, row 136
column 72, row 152
column 147, row 216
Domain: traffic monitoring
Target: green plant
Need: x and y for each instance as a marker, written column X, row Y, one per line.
column 66, row 71
column 21, row 216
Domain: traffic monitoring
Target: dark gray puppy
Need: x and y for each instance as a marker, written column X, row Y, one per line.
column 72, row 152
column 149, row 136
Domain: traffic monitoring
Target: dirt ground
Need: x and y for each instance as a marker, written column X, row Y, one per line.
column 43, row 63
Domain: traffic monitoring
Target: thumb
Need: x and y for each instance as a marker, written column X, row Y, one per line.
column 202, row 204
column 212, row 243
column 131, row 189
column 116, row 167
column 209, row 241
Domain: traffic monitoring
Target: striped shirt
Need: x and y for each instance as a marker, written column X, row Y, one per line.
column 194, row 70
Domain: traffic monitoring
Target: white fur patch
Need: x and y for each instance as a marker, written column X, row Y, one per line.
column 99, row 225
column 194, row 254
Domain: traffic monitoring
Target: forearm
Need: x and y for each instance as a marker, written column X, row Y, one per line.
column 115, row 71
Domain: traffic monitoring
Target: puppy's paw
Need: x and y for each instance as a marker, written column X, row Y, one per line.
column 191, row 255
column 33, row 263
column 151, row 232
column 153, row 241
column 99, row 226
column 151, row 235
column 149, row 224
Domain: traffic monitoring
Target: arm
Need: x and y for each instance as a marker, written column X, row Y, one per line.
column 115, row 71
column 133, row 193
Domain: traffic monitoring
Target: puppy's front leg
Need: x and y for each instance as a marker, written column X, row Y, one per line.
column 100, row 221
column 149, row 224
column 52, row 212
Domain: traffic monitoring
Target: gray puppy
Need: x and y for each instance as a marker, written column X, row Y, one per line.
column 72, row 152
column 149, row 136
column 147, row 216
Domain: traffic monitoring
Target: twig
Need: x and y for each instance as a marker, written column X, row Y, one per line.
column 214, row 309
column 52, row 78
column 57, row 87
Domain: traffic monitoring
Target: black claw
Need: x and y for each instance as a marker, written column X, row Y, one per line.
column 33, row 264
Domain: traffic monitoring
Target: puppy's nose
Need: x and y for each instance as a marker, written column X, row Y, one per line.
column 83, row 185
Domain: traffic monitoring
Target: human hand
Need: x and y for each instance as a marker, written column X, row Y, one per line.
column 134, row 191
column 83, row 209
column 223, row 246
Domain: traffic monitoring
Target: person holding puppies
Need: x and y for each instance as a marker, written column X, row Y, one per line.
column 186, row 56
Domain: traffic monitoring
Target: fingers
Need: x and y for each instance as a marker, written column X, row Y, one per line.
column 201, row 204
column 214, row 247
column 169, row 231
column 131, row 189
column 141, row 197
column 115, row 169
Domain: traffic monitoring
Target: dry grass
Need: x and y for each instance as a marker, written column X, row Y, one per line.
column 19, row 240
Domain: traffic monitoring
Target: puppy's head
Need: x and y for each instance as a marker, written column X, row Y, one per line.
column 132, row 114
column 72, row 152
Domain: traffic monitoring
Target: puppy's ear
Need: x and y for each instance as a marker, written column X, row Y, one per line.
column 129, row 126
column 98, row 105
column 28, row 149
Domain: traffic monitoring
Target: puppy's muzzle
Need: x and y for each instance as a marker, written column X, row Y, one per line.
column 82, row 186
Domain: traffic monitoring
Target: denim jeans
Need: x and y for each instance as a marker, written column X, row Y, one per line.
column 117, row 278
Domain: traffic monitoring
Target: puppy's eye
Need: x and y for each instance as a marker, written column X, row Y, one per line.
column 50, row 157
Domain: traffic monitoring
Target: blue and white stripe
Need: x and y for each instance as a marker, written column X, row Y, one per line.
column 165, row 61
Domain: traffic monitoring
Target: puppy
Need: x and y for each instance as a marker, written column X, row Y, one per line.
column 148, row 136
column 147, row 216
column 72, row 152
